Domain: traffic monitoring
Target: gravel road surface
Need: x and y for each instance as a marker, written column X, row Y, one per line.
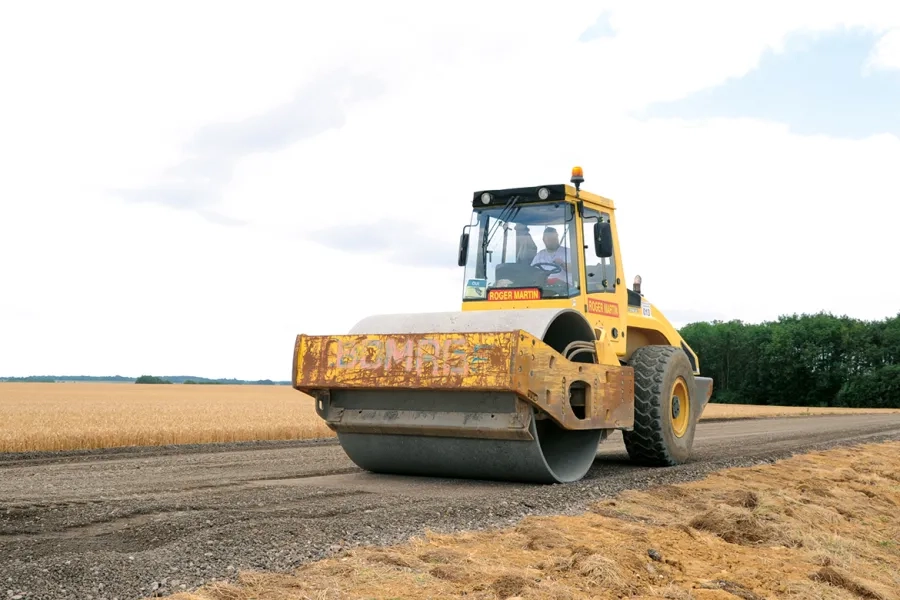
column 136, row 523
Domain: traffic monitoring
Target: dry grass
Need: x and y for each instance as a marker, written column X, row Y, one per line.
column 71, row 416
column 738, row 411
column 821, row 526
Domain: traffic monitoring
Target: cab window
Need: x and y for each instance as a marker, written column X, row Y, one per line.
column 601, row 272
column 530, row 246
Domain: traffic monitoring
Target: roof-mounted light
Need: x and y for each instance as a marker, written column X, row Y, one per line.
column 543, row 193
column 577, row 177
column 485, row 198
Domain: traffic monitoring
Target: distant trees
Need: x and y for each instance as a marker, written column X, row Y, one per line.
column 806, row 360
column 151, row 379
column 29, row 379
column 203, row 381
column 879, row 388
column 198, row 381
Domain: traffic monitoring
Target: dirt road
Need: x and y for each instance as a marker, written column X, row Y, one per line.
column 132, row 523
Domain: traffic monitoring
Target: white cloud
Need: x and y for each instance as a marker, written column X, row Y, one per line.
column 731, row 218
column 886, row 54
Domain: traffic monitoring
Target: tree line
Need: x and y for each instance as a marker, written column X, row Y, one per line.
column 805, row 360
column 153, row 379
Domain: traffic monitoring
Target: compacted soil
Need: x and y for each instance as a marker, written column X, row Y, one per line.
column 132, row 523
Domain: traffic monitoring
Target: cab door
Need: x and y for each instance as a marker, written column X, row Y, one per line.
column 603, row 293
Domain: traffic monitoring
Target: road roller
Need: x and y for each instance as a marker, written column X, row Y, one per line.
column 549, row 353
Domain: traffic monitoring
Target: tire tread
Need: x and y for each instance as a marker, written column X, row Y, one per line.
column 646, row 444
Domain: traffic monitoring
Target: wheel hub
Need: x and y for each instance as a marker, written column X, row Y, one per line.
column 680, row 407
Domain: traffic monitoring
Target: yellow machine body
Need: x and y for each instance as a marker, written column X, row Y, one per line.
column 636, row 321
column 538, row 366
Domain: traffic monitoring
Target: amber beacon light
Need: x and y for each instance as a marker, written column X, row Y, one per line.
column 577, row 177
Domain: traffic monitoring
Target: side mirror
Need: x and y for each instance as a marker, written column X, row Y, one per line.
column 463, row 249
column 603, row 245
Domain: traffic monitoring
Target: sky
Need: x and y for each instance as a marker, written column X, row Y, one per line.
column 184, row 187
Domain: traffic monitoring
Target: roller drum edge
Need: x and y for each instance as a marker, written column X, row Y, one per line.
column 535, row 322
column 554, row 456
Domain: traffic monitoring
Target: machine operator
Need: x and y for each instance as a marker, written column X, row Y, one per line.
column 555, row 254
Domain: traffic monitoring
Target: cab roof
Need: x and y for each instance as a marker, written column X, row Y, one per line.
column 529, row 195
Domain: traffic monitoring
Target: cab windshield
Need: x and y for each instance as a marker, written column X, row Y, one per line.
column 525, row 248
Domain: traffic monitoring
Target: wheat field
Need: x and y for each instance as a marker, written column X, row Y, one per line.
column 745, row 411
column 75, row 416
column 70, row 416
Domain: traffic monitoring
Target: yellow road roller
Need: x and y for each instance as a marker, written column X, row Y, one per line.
column 548, row 355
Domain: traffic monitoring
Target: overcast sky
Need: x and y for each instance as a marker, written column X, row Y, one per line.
column 184, row 185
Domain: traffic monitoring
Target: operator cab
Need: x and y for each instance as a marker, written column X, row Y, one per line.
column 525, row 241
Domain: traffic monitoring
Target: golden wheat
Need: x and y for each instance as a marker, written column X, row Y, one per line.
column 70, row 416
column 738, row 411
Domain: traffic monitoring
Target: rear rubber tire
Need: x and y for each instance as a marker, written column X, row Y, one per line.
column 653, row 442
